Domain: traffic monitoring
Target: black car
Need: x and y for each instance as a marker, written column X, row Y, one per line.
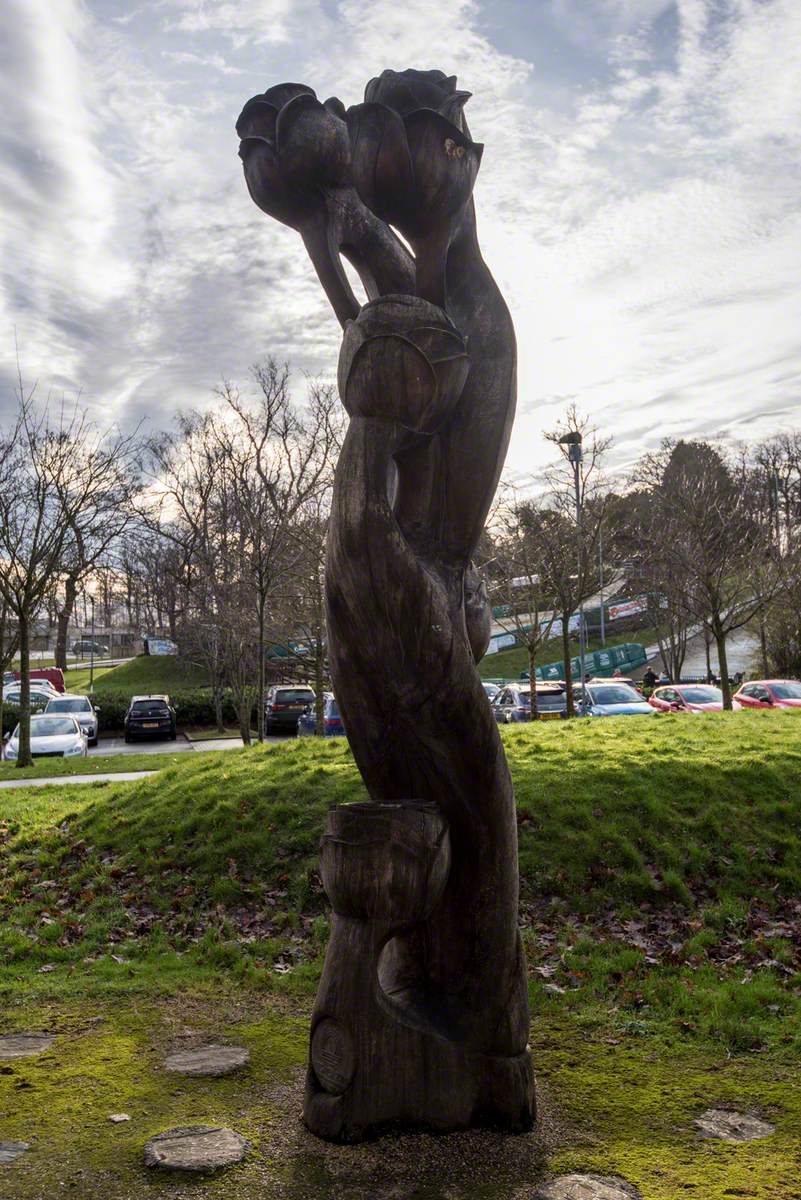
column 284, row 703
column 150, row 716
column 87, row 646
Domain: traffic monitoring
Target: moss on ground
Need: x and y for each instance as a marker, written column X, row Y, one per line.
column 612, row 1106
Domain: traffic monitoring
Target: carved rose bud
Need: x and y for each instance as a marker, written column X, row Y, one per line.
column 290, row 146
column 413, row 161
column 403, row 360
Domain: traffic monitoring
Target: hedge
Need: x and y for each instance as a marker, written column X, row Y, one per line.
column 193, row 706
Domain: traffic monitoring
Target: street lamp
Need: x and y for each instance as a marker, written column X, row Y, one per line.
column 92, row 646
column 575, row 457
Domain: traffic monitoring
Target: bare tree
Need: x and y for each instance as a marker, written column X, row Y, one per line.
column 57, row 472
column 713, row 545
column 284, row 457
column 526, row 606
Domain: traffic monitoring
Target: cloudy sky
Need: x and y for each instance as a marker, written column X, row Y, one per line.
column 638, row 201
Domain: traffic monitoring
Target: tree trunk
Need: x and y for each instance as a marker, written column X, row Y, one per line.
column 244, row 707
column 260, row 706
column 532, row 675
column 708, row 659
column 319, row 685
column 3, row 612
column 63, row 620
column 763, row 649
column 571, row 708
column 723, row 664
column 24, row 758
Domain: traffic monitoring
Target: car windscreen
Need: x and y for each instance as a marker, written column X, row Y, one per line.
column 522, row 699
column 52, row 727
column 149, row 708
column 551, row 700
column 294, row 696
column 333, row 711
column 614, row 695
column 76, row 705
column 787, row 691
column 702, row 695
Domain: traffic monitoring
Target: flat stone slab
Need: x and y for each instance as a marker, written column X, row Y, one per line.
column 728, row 1126
column 587, row 1187
column 208, row 1060
column 25, row 1045
column 11, row 1150
column 196, row 1148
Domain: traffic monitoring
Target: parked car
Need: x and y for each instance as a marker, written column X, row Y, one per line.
column 332, row 719
column 688, row 698
column 284, row 703
column 769, row 693
column 39, row 699
column 82, row 709
column 52, row 675
column 513, row 703
column 611, row 699
column 51, row 737
column 150, row 716
column 491, row 689
column 87, row 646
column 9, row 677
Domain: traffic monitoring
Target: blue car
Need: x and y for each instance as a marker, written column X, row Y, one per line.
column 307, row 721
column 611, row 699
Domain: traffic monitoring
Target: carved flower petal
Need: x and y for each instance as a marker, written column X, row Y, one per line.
column 313, row 144
column 266, row 183
column 382, row 168
column 257, row 119
column 407, row 90
column 452, row 108
column 281, row 93
column 445, row 164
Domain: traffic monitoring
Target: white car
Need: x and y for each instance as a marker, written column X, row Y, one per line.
column 79, row 707
column 39, row 697
column 51, row 737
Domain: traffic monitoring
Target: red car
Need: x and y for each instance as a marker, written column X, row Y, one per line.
column 770, row 693
column 688, row 698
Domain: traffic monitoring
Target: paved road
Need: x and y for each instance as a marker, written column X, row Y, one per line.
column 57, row 780
column 118, row 745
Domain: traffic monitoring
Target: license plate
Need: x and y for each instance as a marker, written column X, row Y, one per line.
column 150, row 724
column 555, row 716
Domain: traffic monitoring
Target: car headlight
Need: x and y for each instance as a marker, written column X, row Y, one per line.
column 74, row 750
column 11, row 752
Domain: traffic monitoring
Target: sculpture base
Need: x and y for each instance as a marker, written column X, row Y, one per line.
column 380, row 1061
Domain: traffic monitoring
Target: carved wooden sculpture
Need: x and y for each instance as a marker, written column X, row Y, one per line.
column 422, row 1013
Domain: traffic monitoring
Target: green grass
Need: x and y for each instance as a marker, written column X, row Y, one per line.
column 507, row 664
column 660, row 875
column 92, row 765
column 660, row 866
column 148, row 674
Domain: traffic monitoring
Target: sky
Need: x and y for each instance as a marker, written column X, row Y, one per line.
column 639, row 201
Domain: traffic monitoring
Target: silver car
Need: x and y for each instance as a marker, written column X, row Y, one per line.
column 82, row 709
column 51, row 737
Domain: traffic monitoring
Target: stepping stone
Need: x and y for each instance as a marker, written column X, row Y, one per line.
column 196, row 1148
column 587, row 1187
column 11, row 1150
column 208, row 1060
column 732, row 1126
column 24, row 1045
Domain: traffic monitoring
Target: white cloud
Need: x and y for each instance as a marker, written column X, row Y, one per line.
column 644, row 227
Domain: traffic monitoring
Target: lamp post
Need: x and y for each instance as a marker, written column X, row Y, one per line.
column 92, row 648
column 575, row 457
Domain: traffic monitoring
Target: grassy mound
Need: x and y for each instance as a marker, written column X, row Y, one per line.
column 148, row 674
column 660, row 873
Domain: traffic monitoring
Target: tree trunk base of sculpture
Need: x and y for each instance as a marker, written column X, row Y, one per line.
column 388, row 1049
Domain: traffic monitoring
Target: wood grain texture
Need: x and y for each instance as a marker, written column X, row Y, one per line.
column 421, row 1016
